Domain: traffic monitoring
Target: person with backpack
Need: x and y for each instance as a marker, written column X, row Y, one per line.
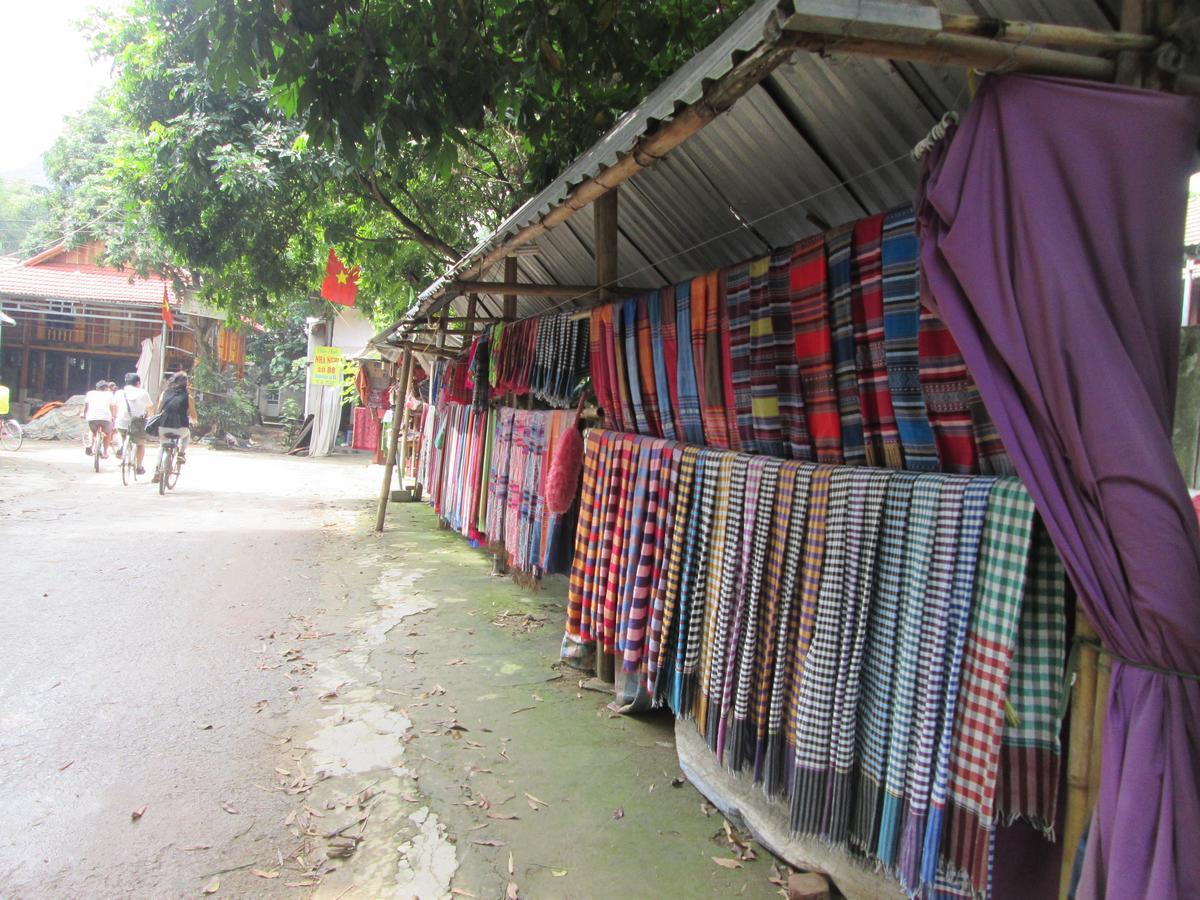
column 134, row 406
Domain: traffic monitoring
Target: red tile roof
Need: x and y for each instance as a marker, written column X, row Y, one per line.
column 60, row 276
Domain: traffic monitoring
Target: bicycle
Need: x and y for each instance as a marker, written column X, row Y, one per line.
column 168, row 468
column 99, row 444
column 12, row 435
column 128, row 458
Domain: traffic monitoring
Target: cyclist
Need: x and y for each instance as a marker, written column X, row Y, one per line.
column 133, row 408
column 177, row 413
column 98, row 413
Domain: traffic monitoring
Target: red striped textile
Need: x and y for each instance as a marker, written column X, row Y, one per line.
column 881, row 437
column 947, row 389
column 707, row 356
column 727, row 368
column 600, row 339
column 810, row 327
column 646, row 376
column 670, row 350
column 792, row 420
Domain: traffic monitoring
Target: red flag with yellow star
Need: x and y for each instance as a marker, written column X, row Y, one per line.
column 168, row 316
column 341, row 284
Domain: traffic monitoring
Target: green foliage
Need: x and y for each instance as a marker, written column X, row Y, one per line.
column 277, row 355
column 225, row 402
column 23, row 208
column 289, row 415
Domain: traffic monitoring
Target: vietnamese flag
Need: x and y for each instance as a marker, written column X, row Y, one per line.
column 341, row 284
column 168, row 316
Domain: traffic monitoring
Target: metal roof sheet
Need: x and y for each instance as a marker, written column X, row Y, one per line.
column 820, row 141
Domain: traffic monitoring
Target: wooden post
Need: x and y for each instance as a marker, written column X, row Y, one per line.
column 510, row 277
column 604, row 237
column 397, row 411
column 472, row 301
column 1079, row 751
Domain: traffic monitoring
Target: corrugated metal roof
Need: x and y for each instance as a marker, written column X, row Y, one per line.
column 83, row 282
column 820, row 141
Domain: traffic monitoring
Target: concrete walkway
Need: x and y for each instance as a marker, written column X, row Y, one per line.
column 303, row 708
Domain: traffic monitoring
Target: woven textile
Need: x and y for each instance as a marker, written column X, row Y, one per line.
column 947, row 390
column 901, row 320
column 1029, row 750
column 659, row 669
column 987, row 657
column 686, row 370
column 797, row 444
column 738, row 303
column 709, row 358
column 647, row 374
column 993, row 458
column 603, row 378
column 633, row 368
column 814, row 353
column 880, row 435
column 839, row 250
column 666, row 405
column 617, row 365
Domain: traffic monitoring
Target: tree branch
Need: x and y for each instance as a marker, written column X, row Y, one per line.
column 494, row 158
column 419, row 234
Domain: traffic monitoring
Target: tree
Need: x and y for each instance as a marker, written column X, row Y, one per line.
column 23, row 208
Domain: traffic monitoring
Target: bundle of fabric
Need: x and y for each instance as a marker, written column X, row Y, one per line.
column 851, row 636
column 513, row 347
column 818, row 352
column 453, row 460
column 559, row 360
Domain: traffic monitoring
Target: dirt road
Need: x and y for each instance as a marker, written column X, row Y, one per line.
column 300, row 708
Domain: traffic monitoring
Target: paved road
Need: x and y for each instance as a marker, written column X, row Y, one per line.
column 139, row 671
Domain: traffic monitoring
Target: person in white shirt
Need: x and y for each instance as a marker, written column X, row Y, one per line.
column 98, row 413
column 133, row 408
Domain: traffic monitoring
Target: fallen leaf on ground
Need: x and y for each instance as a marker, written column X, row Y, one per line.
column 510, row 863
column 726, row 862
column 748, row 854
column 192, row 847
column 534, row 800
column 522, row 709
column 137, row 813
column 456, row 662
column 513, row 892
column 503, row 816
column 619, row 813
column 707, row 808
column 66, row 766
column 213, row 886
column 308, row 882
column 459, row 892
column 477, row 827
column 489, row 843
column 261, row 873
column 229, row 807
column 282, row 771
column 677, row 782
column 558, row 873
column 776, row 877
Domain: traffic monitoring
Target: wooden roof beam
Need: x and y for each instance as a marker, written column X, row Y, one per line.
column 529, row 289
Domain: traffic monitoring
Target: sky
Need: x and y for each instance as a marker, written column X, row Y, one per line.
column 45, row 74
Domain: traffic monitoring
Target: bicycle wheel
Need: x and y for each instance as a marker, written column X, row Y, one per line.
column 12, row 435
column 166, row 458
column 97, row 449
column 173, row 472
column 126, row 461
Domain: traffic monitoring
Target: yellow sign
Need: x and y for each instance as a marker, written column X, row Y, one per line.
column 327, row 366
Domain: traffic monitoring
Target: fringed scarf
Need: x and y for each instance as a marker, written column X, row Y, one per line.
column 947, row 390
column 814, row 353
column 738, row 303
column 686, row 370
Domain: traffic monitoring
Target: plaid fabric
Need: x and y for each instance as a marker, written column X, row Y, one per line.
column 709, row 358
column 880, row 435
column 901, row 318
column 670, row 362
column 993, row 458
column 1027, row 786
column 975, row 502
column 797, row 444
column 946, row 386
column 878, row 674
column 638, row 560
column 662, row 631
column 583, row 565
column 929, row 699
column 725, row 338
column 647, row 377
column 918, row 558
column 817, row 661
column 814, row 354
column 708, row 519
column 666, row 405
column 987, row 656
column 688, row 375
column 617, row 363
column 780, row 589
column 738, row 303
column 838, row 247
column 599, row 338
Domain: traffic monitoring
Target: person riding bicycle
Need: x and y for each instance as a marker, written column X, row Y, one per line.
column 177, row 413
column 98, row 412
column 133, row 408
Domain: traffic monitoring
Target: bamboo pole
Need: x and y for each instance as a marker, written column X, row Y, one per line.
column 530, row 289
column 1079, row 751
column 1045, row 34
column 510, row 277
column 604, row 239
column 386, row 488
column 1099, row 717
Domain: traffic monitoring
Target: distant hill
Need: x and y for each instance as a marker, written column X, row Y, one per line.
column 31, row 173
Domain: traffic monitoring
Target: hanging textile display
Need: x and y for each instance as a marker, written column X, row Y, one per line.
column 852, row 636
column 560, row 359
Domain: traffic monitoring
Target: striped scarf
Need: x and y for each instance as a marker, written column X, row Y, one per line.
column 659, row 670
column 838, row 247
column 709, row 359
column 647, row 375
column 739, row 305
column 881, row 437
column 946, row 386
column 629, row 344
column 794, row 424
column 666, row 397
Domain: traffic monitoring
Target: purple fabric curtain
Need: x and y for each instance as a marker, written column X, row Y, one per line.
column 1051, row 226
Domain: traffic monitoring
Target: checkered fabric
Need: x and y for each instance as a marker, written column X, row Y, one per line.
column 738, row 304
column 797, row 443
column 993, row 458
column 814, row 354
column 817, row 663
column 599, row 329
column 974, row 510
column 765, row 414
column 918, row 557
column 647, row 376
column 725, row 337
column 947, row 388
column 987, row 657
column 839, row 252
column 663, row 631
column 1029, row 751
column 633, row 379
column 697, row 536
column 901, row 317
column 666, row 400
column 880, row 435
column 709, row 358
